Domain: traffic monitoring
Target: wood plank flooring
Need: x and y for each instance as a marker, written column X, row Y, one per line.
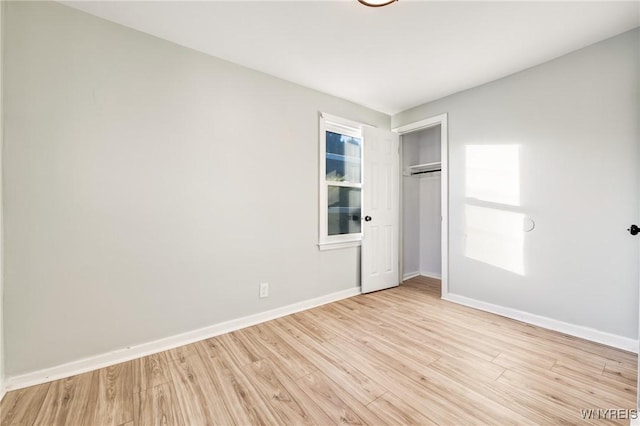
column 400, row 356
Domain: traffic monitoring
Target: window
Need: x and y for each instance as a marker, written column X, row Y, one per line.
column 340, row 182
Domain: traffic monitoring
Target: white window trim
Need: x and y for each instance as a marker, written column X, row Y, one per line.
column 345, row 127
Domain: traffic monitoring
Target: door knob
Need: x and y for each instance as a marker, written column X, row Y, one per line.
column 634, row 230
column 368, row 219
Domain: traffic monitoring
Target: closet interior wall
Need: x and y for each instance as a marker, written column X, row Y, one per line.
column 421, row 205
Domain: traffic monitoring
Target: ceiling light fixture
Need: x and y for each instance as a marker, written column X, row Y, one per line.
column 377, row 3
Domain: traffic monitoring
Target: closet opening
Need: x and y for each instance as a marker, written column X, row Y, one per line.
column 423, row 203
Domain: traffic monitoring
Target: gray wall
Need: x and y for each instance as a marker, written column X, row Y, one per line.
column 430, row 205
column 150, row 188
column 410, row 207
column 421, row 205
column 573, row 123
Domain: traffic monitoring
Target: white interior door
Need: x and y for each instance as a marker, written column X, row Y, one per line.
column 380, row 213
column 636, row 421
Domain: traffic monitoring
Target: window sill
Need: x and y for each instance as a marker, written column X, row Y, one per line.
column 339, row 245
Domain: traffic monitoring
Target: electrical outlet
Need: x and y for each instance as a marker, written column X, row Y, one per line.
column 264, row 290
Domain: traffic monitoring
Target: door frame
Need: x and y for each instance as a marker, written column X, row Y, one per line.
column 441, row 120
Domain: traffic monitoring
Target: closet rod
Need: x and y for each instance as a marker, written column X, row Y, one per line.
column 427, row 171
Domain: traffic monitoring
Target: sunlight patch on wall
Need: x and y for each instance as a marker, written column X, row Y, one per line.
column 493, row 173
column 495, row 237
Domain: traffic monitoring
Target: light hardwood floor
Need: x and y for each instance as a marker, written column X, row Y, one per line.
column 400, row 356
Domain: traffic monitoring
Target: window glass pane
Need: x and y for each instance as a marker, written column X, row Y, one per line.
column 344, row 210
column 343, row 158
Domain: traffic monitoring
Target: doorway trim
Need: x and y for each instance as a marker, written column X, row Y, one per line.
column 441, row 120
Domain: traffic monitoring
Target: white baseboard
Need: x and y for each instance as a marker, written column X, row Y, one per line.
column 431, row 275
column 133, row 352
column 410, row 275
column 592, row 334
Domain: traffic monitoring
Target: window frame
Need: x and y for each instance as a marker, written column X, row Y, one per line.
column 349, row 128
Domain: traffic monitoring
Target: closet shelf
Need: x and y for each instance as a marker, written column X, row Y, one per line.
column 423, row 168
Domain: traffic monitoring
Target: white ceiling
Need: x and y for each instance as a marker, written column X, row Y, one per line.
column 390, row 58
